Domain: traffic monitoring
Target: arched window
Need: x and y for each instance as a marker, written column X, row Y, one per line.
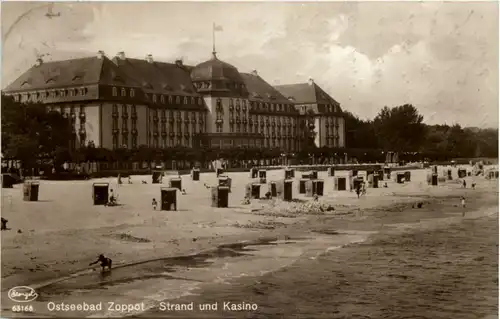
column 115, row 91
column 162, row 99
column 124, row 92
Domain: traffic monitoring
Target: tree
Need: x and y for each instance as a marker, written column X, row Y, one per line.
column 359, row 133
column 31, row 133
column 400, row 128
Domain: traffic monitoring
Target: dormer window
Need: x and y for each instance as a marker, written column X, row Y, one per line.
column 177, row 100
column 76, row 77
column 162, row 99
column 50, row 80
column 193, row 101
column 16, row 97
column 132, row 92
column 154, row 98
column 124, row 92
column 115, row 91
column 53, row 94
column 185, row 100
column 62, row 93
column 24, row 83
column 200, row 101
column 170, row 99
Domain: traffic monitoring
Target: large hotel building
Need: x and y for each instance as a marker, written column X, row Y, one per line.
column 127, row 102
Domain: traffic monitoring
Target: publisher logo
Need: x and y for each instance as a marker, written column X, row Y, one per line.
column 22, row 294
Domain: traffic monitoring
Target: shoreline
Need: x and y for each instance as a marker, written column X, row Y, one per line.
column 187, row 247
column 215, row 293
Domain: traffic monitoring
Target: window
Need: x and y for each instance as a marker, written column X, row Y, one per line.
column 200, row 101
column 193, row 101
column 185, row 100
column 115, row 91
column 124, row 92
column 134, row 141
column 154, row 98
column 162, row 99
column 177, row 100
column 170, row 99
column 132, row 93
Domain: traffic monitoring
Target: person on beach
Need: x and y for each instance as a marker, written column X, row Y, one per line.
column 154, row 203
column 464, row 183
column 4, row 224
column 358, row 190
column 463, row 206
column 105, row 262
column 473, row 185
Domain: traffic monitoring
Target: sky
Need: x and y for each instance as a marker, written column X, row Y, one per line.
column 440, row 57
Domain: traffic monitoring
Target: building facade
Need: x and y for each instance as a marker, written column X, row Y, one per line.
column 126, row 102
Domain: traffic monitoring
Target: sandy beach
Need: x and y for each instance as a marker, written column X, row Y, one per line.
column 63, row 232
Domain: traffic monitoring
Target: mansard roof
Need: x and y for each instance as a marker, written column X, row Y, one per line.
column 158, row 77
column 68, row 73
column 260, row 90
column 306, row 93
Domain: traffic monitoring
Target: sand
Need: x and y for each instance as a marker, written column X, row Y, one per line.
column 63, row 231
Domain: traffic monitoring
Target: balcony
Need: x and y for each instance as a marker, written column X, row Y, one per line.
column 116, row 131
column 231, row 107
column 193, row 120
column 231, row 121
column 155, row 119
column 125, row 130
column 134, row 131
column 163, row 133
column 82, row 115
column 219, row 121
column 125, row 115
column 171, row 119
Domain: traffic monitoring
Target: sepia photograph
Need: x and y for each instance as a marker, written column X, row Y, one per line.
column 270, row 159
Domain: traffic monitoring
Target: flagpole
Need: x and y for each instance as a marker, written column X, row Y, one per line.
column 213, row 38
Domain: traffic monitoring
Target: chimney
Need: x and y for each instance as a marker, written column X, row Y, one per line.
column 311, row 81
column 179, row 63
column 254, row 72
column 149, row 58
column 38, row 62
column 100, row 54
column 121, row 55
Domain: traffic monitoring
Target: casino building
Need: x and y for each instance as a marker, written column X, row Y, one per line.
column 127, row 102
